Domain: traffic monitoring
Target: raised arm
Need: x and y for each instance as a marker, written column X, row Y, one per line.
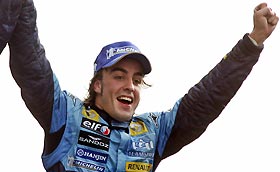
column 30, row 67
column 9, row 13
column 205, row 101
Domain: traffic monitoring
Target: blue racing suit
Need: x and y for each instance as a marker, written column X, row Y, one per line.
column 81, row 138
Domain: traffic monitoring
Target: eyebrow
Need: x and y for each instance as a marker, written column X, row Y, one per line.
column 125, row 71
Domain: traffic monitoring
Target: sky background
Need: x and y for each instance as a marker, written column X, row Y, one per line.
column 184, row 40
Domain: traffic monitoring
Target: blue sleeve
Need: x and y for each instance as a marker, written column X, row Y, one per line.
column 59, row 108
column 166, row 122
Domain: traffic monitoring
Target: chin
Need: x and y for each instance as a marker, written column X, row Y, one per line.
column 125, row 118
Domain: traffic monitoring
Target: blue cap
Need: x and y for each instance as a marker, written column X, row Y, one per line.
column 112, row 53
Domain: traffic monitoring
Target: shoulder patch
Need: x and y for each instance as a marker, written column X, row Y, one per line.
column 137, row 128
column 90, row 114
column 154, row 118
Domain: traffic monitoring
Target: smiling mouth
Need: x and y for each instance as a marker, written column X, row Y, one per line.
column 125, row 100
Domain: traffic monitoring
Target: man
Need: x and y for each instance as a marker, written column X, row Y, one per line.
column 102, row 133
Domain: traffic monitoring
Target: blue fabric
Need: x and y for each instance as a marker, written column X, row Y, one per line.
column 112, row 53
column 147, row 134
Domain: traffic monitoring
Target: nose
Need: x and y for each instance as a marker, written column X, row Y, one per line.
column 129, row 85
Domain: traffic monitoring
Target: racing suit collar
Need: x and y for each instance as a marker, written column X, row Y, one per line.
column 114, row 124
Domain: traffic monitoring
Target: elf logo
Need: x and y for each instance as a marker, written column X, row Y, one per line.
column 96, row 127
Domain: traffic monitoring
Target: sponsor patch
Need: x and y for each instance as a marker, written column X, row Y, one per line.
column 77, row 163
column 91, row 155
column 93, row 140
column 143, row 147
column 142, row 144
column 90, row 114
column 137, row 128
column 96, row 127
column 154, row 119
column 141, row 154
column 137, row 166
column 119, row 50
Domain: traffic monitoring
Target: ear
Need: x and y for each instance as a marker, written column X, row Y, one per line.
column 97, row 86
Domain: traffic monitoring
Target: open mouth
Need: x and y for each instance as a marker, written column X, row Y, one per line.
column 125, row 100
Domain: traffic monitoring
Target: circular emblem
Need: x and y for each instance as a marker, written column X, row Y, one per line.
column 105, row 130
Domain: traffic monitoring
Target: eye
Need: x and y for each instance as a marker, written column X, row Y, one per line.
column 119, row 77
column 138, row 81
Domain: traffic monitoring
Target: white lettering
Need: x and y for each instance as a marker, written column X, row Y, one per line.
column 97, row 126
column 113, row 51
column 95, row 142
column 87, row 124
column 97, row 157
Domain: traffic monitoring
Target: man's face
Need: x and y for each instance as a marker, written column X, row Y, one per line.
column 118, row 93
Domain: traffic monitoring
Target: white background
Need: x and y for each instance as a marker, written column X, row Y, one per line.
column 184, row 40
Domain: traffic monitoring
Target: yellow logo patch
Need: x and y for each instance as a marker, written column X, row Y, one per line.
column 137, row 128
column 90, row 114
column 137, row 166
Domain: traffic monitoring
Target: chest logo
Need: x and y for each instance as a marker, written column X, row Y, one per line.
column 137, row 167
column 92, row 155
column 93, row 140
column 81, row 164
column 137, row 128
column 96, row 127
column 142, row 144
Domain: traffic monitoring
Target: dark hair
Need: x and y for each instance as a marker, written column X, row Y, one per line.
column 90, row 99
